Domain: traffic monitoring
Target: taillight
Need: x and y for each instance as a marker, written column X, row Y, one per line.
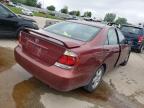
column 68, row 60
column 140, row 39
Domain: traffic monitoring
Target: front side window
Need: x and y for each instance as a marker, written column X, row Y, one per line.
column 112, row 37
column 73, row 30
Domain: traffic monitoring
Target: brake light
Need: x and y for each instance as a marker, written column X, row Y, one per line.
column 68, row 60
column 140, row 39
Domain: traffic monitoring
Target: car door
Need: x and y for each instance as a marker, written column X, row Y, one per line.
column 124, row 47
column 8, row 22
column 111, row 49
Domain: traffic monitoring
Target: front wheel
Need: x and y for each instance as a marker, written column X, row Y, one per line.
column 95, row 81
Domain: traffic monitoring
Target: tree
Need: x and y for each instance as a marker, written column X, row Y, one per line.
column 121, row 21
column 39, row 5
column 64, row 10
column 87, row 14
column 31, row 2
column 51, row 8
column 76, row 13
column 110, row 17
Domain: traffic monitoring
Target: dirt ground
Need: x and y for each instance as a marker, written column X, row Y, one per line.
column 121, row 88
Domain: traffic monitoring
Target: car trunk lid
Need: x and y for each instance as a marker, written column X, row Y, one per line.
column 44, row 48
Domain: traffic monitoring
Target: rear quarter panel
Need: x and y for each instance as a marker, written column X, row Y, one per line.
column 91, row 56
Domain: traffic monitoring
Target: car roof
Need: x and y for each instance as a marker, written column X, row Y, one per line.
column 90, row 23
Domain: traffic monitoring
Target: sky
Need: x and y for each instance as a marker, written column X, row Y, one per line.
column 133, row 10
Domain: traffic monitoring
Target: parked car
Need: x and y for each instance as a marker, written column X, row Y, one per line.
column 135, row 35
column 27, row 12
column 72, row 54
column 11, row 24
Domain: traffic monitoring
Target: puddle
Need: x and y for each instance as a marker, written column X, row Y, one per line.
column 28, row 93
column 6, row 58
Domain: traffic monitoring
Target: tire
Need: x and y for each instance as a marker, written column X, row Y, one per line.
column 126, row 60
column 141, row 49
column 95, row 81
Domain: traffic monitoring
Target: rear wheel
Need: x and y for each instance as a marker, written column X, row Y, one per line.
column 126, row 60
column 95, row 81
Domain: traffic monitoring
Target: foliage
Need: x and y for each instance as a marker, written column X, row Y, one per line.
column 51, row 8
column 31, row 2
column 27, row 2
column 121, row 21
column 87, row 14
column 19, row 1
column 110, row 17
column 64, row 10
column 76, row 13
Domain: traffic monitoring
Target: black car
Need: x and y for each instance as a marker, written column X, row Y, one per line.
column 135, row 35
column 11, row 24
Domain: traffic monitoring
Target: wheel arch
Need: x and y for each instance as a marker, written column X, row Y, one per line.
column 105, row 67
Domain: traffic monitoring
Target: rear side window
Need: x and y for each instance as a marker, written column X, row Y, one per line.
column 121, row 37
column 112, row 37
column 74, row 30
column 132, row 30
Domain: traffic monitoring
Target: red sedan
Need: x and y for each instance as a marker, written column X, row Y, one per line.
column 72, row 54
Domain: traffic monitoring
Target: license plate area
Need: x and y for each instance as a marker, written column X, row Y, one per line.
column 34, row 49
column 37, row 52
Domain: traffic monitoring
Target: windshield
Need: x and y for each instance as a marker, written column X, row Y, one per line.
column 133, row 30
column 74, row 30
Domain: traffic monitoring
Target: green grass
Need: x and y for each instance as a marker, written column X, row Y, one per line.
column 52, row 17
column 39, row 14
column 15, row 10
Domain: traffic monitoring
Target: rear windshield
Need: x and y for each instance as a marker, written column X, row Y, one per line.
column 74, row 30
column 133, row 30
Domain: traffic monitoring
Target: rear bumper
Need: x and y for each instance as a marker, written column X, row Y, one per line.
column 55, row 77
